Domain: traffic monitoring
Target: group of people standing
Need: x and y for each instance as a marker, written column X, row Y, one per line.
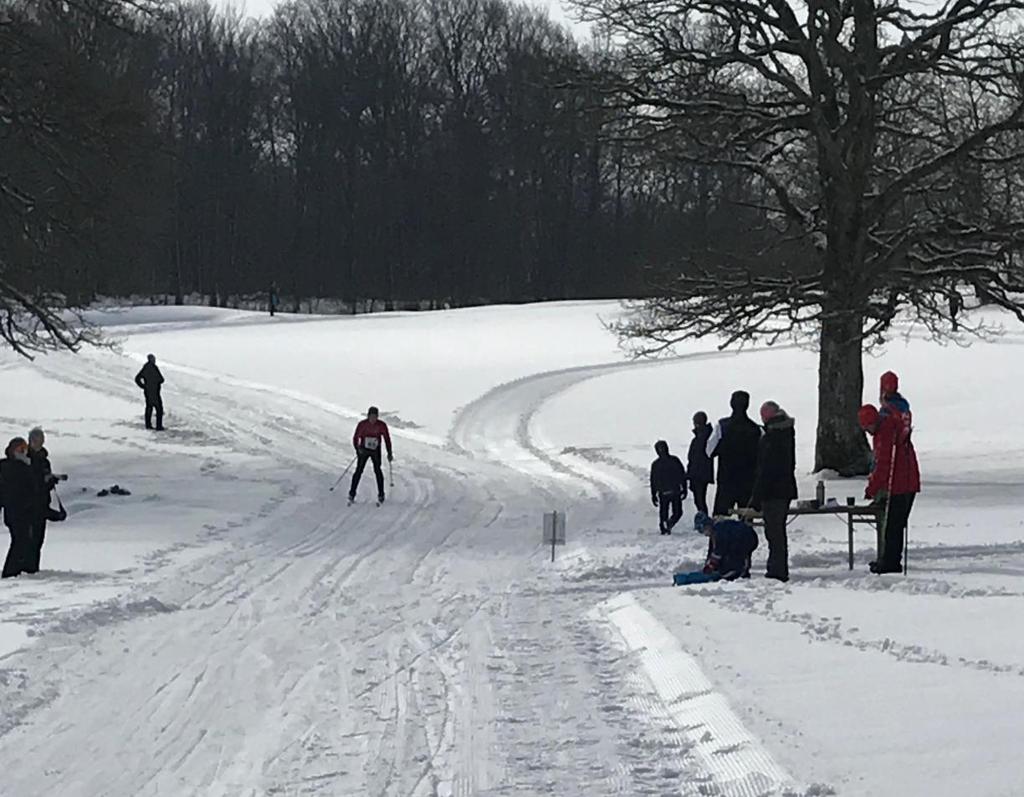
column 26, row 482
column 757, row 470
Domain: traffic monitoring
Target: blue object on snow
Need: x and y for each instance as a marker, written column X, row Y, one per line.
column 696, row 577
column 700, row 522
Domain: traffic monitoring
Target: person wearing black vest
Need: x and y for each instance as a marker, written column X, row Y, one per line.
column 734, row 442
column 775, row 484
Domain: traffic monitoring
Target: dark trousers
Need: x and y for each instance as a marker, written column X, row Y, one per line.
column 700, row 496
column 363, row 456
column 730, row 495
column 20, row 552
column 776, row 512
column 36, row 548
column 670, row 502
column 154, row 403
column 897, row 517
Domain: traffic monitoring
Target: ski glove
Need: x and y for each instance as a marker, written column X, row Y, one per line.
column 391, row 457
column 654, row 500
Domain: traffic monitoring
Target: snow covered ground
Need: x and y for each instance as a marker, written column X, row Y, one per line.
column 232, row 628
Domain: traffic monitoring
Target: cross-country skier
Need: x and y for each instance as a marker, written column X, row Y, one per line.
column 775, row 484
column 735, row 442
column 896, row 477
column 367, row 441
column 150, row 382
column 700, row 470
column 19, row 497
column 732, row 543
column 668, row 486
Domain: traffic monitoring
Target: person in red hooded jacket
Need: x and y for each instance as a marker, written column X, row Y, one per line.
column 368, row 437
column 895, row 478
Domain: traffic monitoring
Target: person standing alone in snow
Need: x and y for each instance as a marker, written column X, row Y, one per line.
column 668, row 486
column 150, row 382
column 896, row 477
column 19, row 495
column 775, row 484
column 699, row 468
column 367, row 441
column 735, row 442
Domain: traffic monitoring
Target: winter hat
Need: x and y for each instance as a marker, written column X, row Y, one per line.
column 867, row 417
column 769, row 410
column 701, row 521
column 889, row 383
column 373, row 411
column 740, row 401
column 700, row 419
column 661, row 447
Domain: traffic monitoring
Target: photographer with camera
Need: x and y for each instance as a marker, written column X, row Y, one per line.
column 45, row 481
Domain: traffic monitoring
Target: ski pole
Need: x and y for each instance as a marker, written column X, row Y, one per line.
column 888, row 500
column 342, row 476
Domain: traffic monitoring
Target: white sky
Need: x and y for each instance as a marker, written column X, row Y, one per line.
column 557, row 10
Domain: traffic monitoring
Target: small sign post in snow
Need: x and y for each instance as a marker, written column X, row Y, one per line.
column 554, row 530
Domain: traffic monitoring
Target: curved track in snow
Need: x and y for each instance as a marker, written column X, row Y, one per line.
column 422, row 648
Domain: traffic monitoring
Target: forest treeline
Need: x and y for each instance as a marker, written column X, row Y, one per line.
column 441, row 151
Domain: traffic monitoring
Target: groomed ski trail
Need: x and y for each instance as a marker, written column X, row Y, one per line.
column 417, row 649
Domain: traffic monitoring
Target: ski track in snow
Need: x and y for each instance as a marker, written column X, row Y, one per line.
column 425, row 647
column 334, row 650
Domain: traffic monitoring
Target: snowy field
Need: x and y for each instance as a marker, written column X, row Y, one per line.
column 232, row 628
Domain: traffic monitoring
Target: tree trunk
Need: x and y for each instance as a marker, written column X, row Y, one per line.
column 840, row 444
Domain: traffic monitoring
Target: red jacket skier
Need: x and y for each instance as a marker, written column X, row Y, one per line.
column 367, row 441
column 896, row 477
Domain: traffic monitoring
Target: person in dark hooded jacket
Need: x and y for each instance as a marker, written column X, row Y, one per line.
column 668, row 486
column 700, row 470
column 734, row 442
column 151, row 381
column 19, row 501
column 775, row 484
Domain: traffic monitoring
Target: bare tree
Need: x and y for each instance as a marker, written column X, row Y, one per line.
column 885, row 138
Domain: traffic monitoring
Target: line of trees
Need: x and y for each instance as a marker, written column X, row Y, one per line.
column 448, row 151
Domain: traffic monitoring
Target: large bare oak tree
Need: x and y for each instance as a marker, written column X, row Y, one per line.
column 886, row 138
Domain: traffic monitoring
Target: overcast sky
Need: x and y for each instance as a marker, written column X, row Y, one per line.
column 556, row 10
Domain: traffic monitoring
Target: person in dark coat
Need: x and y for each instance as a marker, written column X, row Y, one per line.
column 699, row 468
column 775, row 484
column 896, row 476
column 734, row 441
column 151, row 381
column 668, row 486
column 20, row 503
column 272, row 299
column 732, row 544
column 45, row 481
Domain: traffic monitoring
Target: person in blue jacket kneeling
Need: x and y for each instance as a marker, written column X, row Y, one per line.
column 732, row 543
